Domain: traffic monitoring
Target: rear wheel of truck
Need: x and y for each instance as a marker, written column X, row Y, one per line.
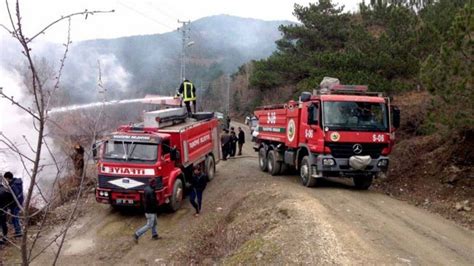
column 262, row 159
column 274, row 167
column 210, row 167
column 305, row 173
column 363, row 182
column 177, row 198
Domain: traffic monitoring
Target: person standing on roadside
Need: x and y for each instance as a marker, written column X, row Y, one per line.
column 16, row 185
column 228, row 122
column 151, row 208
column 78, row 160
column 198, row 184
column 233, row 142
column 225, row 142
column 241, row 139
column 6, row 199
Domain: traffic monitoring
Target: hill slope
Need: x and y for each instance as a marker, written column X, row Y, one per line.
column 151, row 63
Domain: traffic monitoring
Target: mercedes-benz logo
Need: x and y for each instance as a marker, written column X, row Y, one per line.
column 357, row 148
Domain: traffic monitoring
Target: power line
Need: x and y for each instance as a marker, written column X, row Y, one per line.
column 145, row 15
column 162, row 11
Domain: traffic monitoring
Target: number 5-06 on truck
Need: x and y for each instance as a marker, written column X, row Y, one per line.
column 338, row 131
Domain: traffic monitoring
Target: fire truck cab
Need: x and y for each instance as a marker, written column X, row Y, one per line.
column 340, row 131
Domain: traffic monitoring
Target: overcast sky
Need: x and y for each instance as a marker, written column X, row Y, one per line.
column 137, row 17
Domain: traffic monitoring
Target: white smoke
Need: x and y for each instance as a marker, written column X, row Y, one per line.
column 18, row 136
column 113, row 74
column 14, row 124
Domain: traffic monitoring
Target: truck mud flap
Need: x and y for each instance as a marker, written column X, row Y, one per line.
column 217, row 145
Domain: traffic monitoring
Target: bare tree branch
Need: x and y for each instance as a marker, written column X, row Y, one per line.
column 85, row 13
column 11, row 20
column 28, row 143
column 18, row 104
column 71, row 217
column 62, row 61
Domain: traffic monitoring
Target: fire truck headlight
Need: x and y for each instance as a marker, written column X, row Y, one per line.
column 101, row 193
column 329, row 162
column 106, row 194
column 382, row 163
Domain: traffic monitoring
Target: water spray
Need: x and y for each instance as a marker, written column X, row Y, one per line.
column 149, row 99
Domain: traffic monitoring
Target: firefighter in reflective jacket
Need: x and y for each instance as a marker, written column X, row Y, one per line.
column 188, row 92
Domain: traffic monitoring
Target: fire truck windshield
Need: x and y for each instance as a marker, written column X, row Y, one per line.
column 355, row 116
column 130, row 151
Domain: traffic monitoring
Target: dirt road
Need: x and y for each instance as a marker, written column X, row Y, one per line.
column 251, row 217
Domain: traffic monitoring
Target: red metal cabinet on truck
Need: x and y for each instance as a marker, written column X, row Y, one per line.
column 344, row 132
column 128, row 158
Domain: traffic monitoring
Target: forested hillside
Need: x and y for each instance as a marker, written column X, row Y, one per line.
column 392, row 47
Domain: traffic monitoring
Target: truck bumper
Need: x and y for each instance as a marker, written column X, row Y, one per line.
column 328, row 166
column 107, row 196
column 125, row 198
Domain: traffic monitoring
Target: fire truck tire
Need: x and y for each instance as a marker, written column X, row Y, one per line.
column 262, row 159
column 363, row 182
column 177, row 198
column 305, row 173
column 210, row 167
column 274, row 167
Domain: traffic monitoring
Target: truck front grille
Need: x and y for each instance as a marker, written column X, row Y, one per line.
column 346, row 150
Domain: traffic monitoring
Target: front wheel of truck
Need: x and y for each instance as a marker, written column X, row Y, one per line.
column 305, row 173
column 363, row 182
column 177, row 197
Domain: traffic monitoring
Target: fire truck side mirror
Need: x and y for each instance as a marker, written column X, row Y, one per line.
column 396, row 116
column 305, row 96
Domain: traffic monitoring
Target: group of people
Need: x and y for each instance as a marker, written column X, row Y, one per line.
column 229, row 141
column 198, row 183
column 11, row 199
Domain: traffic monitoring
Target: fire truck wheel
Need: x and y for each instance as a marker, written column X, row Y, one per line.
column 210, row 167
column 262, row 159
column 363, row 182
column 305, row 173
column 274, row 166
column 177, row 197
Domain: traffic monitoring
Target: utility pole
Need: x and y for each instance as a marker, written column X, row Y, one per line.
column 228, row 94
column 185, row 37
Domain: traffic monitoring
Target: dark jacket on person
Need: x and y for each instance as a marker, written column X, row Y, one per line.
column 241, row 137
column 17, row 187
column 199, row 182
column 149, row 202
column 225, row 139
column 6, row 198
column 233, row 138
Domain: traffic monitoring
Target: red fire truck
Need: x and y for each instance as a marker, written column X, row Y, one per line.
column 166, row 147
column 338, row 131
